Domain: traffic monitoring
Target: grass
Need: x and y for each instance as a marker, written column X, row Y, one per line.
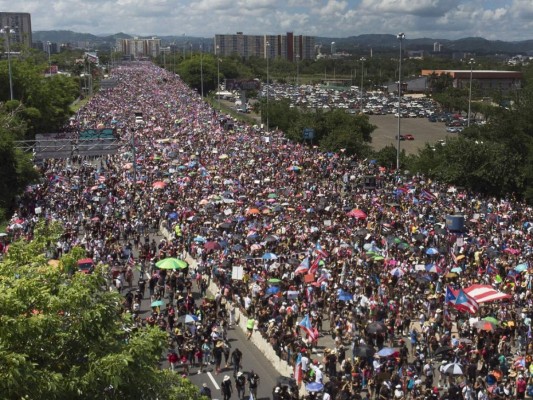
column 79, row 104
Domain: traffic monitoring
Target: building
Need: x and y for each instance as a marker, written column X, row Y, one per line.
column 137, row 48
column 485, row 81
column 20, row 23
column 288, row 47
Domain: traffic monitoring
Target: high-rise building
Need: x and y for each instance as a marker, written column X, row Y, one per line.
column 20, row 24
column 139, row 48
column 288, row 47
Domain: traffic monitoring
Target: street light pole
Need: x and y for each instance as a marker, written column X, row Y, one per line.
column 218, row 77
column 471, row 63
column 267, row 56
column 202, row 70
column 8, row 31
column 297, row 69
column 401, row 37
column 361, row 89
column 49, row 44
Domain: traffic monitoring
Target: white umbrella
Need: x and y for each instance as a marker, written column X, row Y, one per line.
column 453, row 369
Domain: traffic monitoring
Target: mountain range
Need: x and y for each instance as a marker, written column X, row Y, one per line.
column 378, row 42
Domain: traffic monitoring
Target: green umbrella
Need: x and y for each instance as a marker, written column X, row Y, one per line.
column 378, row 258
column 272, row 195
column 157, row 303
column 274, row 280
column 492, row 319
column 172, row 263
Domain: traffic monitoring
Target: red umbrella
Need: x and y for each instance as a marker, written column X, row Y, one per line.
column 159, row 185
column 209, row 246
column 357, row 213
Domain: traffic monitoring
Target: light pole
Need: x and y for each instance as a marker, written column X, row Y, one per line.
column 49, row 44
column 361, row 88
column 267, row 56
column 191, row 49
column 471, row 63
column 297, row 69
column 8, row 31
column 202, row 70
column 218, row 77
column 401, row 37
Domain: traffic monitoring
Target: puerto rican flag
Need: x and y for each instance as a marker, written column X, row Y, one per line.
column 314, row 265
column 451, row 295
column 303, row 267
column 298, row 373
column 131, row 261
column 427, row 196
column 465, row 303
column 318, row 250
column 306, row 326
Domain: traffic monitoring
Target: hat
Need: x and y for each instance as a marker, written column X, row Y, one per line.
column 435, row 390
column 204, row 384
column 444, row 362
column 226, row 378
column 277, row 390
column 239, row 373
column 438, row 310
column 520, row 376
column 398, row 386
column 220, row 344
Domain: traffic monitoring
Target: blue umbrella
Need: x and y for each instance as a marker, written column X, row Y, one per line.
column 172, row 215
column 199, row 239
column 314, row 387
column 272, row 290
column 344, row 296
column 269, row 256
column 432, row 251
column 521, row 267
column 386, row 352
column 188, row 319
column 457, row 270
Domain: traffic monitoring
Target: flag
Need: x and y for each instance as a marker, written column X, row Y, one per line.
column 320, row 251
column 298, row 373
column 427, row 196
column 451, row 296
column 131, row 261
column 305, row 324
column 465, row 303
column 303, row 267
column 314, row 265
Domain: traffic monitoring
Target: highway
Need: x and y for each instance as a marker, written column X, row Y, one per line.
column 252, row 359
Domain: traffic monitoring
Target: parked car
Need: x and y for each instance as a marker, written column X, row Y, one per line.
column 408, row 137
column 402, row 137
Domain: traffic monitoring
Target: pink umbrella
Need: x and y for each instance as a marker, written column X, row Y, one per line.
column 159, row 185
column 357, row 213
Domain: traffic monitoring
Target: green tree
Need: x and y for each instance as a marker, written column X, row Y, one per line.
column 65, row 336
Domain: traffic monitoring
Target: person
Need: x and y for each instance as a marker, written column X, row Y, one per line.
column 253, row 383
column 521, row 385
column 226, row 387
column 276, row 395
column 205, row 391
column 172, row 358
column 236, row 358
column 240, row 384
column 250, row 327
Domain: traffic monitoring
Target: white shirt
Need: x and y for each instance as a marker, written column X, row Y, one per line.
column 326, row 396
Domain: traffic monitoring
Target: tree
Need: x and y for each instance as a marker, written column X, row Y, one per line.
column 65, row 336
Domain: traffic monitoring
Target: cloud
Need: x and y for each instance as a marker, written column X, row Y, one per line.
column 439, row 19
column 422, row 8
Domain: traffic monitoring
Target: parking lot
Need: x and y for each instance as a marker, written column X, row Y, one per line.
column 422, row 130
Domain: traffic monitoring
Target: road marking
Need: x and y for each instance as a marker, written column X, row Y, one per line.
column 213, row 380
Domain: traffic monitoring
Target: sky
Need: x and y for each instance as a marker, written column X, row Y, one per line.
column 508, row 20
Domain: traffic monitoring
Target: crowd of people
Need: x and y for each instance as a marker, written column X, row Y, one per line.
column 322, row 250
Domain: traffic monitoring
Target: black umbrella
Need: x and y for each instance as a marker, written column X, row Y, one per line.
column 376, row 327
column 271, row 239
column 442, row 350
column 361, row 232
column 363, row 351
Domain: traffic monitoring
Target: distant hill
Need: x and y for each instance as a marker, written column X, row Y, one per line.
column 378, row 42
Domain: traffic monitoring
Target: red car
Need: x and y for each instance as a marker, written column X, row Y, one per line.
column 408, row 137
